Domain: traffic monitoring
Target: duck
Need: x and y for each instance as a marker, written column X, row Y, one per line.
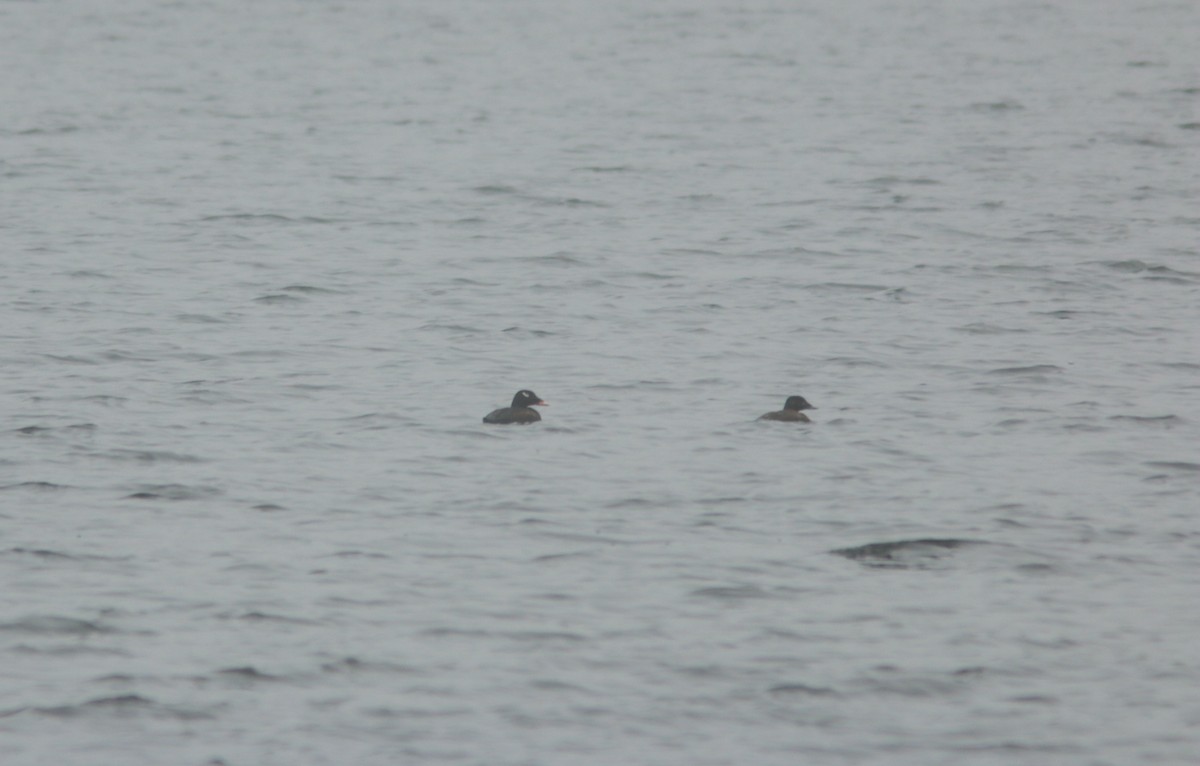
column 521, row 412
column 791, row 411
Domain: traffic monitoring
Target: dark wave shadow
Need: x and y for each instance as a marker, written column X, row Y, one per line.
column 907, row 554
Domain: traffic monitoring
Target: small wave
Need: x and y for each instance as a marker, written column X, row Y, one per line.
column 997, row 106
column 889, row 680
column 266, row 218
column 447, row 632
column 847, row 287
column 310, row 290
column 268, row 618
column 375, row 419
column 449, row 327
column 906, row 554
column 899, row 180
column 148, row 456
column 1132, row 266
column 1152, row 271
column 1011, row 423
column 172, row 492
column 199, row 318
column 203, row 396
column 793, row 253
column 247, row 673
column 570, row 202
column 560, row 556
column 555, row 259
column 1033, row 369
column 731, row 592
column 1166, row 421
column 58, row 130
column 802, row 689
column 1174, row 465
column 983, row 328
column 70, row 359
column 45, row 554
column 523, row 331
column 849, row 361
column 358, row 555
column 355, row 665
column 545, row 635
column 40, row 553
column 53, row 625
column 257, row 353
column 125, row 705
column 277, row 298
column 42, row 486
column 495, row 189
column 1063, row 313
column 1186, row 366
column 105, row 400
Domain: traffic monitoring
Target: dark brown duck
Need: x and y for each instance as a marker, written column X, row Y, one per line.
column 791, row 412
column 521, row 412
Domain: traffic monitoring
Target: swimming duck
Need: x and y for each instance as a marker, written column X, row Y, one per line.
column 521, row 411
column 791, row 411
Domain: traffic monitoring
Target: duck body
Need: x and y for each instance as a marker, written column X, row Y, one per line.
column 786, row 416
column 507, row 416
column 520, row 413
column 791, row 412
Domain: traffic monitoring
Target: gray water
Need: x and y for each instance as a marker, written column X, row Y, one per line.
column 267, row 265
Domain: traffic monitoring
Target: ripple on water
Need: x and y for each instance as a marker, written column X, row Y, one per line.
column 200, row 319
column 275, row 299
column 246, row 673
column 172, row 492
column 54, row 625
column 266, row 219
column 846, row 288
column 1174, row 465
column 310, row 290
column 924, row 553
column 267, row 618
column 1153, row 421
column 805, row 690
column 731, row 592
column 1033, row 370
column 126, row 706
column 984, row 328
column 526, row 332
column 891, row 681
column 37, row 553
column 49, row 556
column 147, row 456
column 38, row 486
column 355, row 665
column 76, row 428
column 1153, row 272
column 560, row 258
